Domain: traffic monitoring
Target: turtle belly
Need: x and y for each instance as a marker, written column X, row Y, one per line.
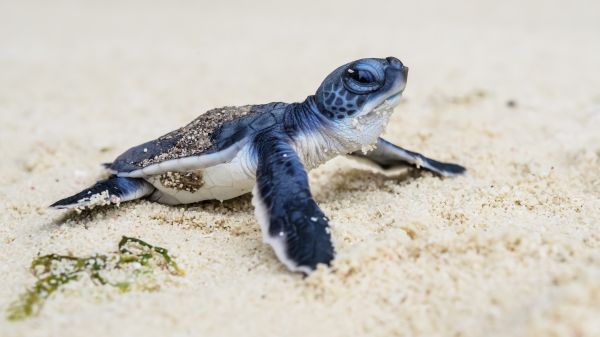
column 220, row 182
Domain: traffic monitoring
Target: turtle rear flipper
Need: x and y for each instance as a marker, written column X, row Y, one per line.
column 113, row 190
column 292, row 223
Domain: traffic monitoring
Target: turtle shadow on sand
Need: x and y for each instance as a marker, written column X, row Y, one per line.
column 242, row 203
column 350, row 181
column 86, row 215
column 339, row 184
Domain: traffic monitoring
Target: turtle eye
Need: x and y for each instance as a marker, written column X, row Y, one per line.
column 361, row 80
column 361, row 76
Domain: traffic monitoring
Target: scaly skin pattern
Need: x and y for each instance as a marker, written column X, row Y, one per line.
column 268, row 149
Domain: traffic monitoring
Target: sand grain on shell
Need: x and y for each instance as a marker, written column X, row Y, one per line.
column 182, row 181
column 195, row 138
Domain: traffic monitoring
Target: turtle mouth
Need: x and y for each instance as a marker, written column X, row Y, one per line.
column 393, row 100
column 388, row 103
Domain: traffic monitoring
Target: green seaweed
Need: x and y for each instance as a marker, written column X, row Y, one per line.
column 127, row 256
column 53, row 271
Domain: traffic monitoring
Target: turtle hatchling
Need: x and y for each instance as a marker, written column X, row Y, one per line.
column 267, row 149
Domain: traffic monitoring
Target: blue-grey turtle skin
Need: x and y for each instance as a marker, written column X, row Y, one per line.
column 349, row 88
column 297, row 226
column 388, row 156
column 282, row 184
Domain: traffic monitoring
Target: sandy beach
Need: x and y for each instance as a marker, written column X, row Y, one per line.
column 509, row 89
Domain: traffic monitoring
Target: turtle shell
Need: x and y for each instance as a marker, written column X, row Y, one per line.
column 211, row 132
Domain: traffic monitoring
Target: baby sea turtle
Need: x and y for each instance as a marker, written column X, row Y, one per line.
column 266, row 149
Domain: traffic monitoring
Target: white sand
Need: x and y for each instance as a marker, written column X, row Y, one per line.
column 513, row 249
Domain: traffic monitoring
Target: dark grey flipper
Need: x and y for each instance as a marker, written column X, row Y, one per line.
column 388, row 156
column 291, row 221
column 118, row 189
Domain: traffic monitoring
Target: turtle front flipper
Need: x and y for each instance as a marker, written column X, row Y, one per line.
column 292, row 222
column 388, row 156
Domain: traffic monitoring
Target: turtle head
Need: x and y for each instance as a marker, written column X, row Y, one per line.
column 361, row 87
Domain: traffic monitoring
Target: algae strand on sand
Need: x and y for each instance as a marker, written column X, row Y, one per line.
column 125, row 269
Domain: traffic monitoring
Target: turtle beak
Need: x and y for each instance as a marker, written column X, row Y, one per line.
column 396, row 64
